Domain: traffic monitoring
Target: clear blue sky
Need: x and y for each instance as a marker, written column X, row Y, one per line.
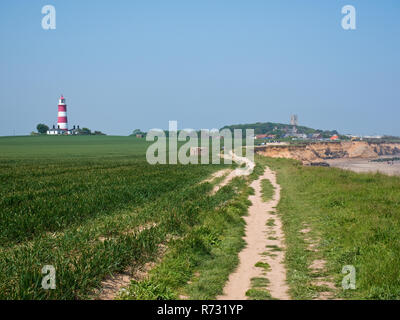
column 137, row 64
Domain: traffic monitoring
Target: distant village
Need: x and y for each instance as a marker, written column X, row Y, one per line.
column 278, row 133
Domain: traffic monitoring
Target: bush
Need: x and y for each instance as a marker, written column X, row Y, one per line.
column 42, row 128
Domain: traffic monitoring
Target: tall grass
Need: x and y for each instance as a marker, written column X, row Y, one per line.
column 198, row 264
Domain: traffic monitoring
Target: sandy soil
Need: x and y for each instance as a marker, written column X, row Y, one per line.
column 256, row 238
column 365, row 165
column 111, row 286
column 248, row 169
column 218, row 174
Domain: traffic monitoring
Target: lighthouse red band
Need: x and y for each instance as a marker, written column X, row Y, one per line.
column 62, row 122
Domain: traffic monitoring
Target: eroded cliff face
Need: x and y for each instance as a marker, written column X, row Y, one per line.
column 319, row 151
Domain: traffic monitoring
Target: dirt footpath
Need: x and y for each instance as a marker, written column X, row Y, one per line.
column 264, row 244
column 238, row 172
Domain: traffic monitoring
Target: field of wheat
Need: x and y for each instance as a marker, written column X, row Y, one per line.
column 91, row 206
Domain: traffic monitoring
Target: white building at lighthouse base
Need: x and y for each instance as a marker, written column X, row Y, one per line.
column 58, row 131
column 55, row 131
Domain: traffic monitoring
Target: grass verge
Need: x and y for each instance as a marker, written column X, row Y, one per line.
column 354, row 218
column 197, row 265
column 267, row 190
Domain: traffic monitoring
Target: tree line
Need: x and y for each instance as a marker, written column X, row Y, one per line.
column 42, row 129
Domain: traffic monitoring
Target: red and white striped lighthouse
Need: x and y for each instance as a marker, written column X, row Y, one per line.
column 62, row 122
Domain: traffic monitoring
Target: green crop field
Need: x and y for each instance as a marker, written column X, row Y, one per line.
column 91, row 206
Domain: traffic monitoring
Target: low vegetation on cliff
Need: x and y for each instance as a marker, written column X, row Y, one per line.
column 351, row 219
column 279, row 129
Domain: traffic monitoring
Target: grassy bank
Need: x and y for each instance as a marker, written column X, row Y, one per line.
column 353, row 218
column 198, row 263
